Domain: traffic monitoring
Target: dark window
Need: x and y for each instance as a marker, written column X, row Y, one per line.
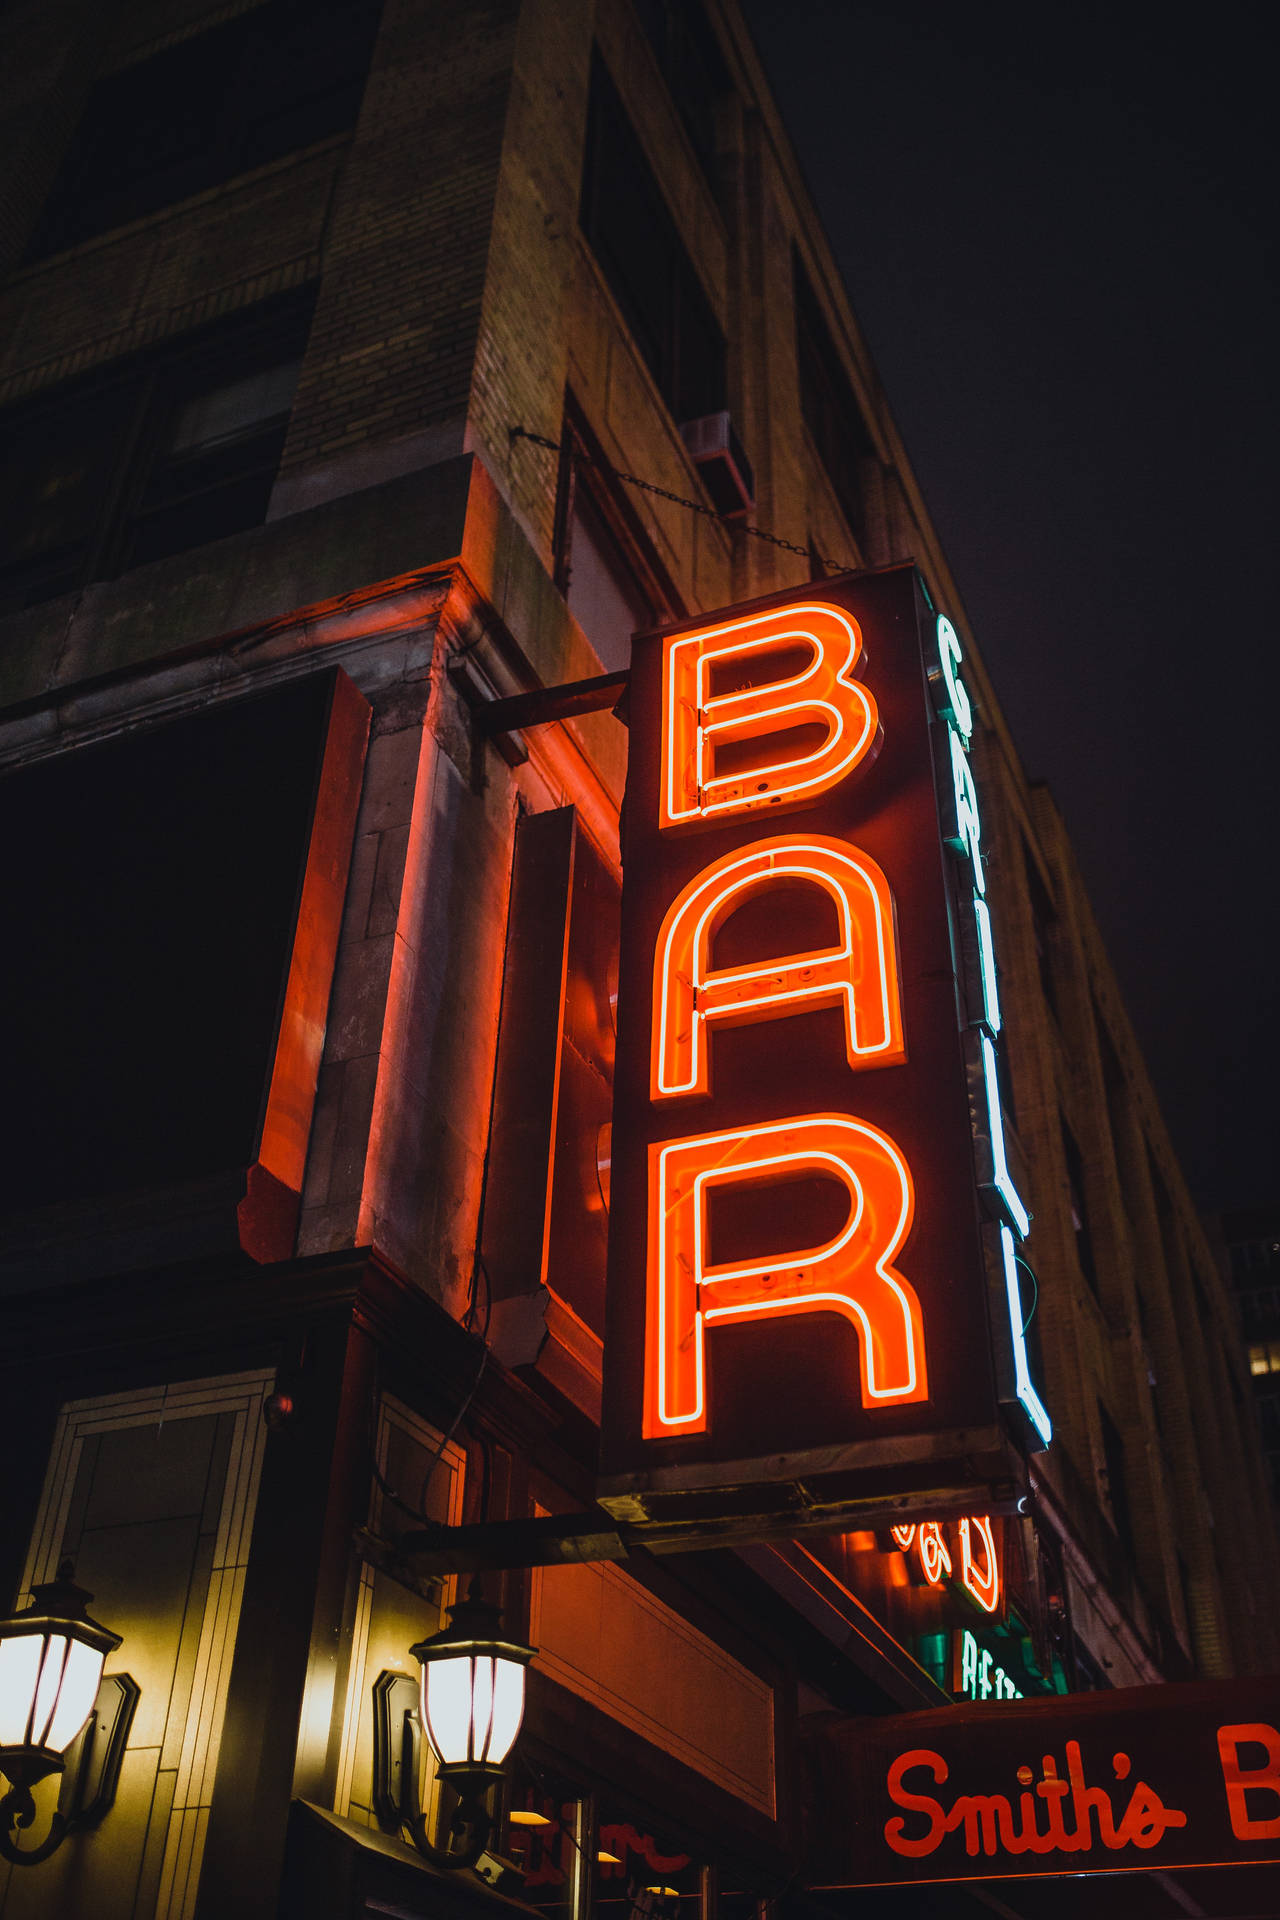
column 140, row 1007
column 634, row 238
column 1116, row 1092
column 1042, row 920
column 1117, row 1482
column 155, row 455
column 601, row 587
column 692, row 66
column 1252, row 1260
column 1076, row 1199
column 246, row 92
column 603, row 564
column 829, row 407
column 1113, row 1075
column 546, row 1830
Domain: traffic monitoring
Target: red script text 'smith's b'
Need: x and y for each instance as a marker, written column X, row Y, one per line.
column 1139, row 1778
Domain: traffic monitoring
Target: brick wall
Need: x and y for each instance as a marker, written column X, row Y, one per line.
column 395, row 329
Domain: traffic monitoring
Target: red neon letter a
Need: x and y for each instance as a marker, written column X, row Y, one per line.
column 851, row 1275
column 859, row 973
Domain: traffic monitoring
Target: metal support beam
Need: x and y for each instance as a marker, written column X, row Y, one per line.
column 519, row 711
column 570, row 1539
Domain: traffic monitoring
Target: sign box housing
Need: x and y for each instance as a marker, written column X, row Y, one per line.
column 782, row 1412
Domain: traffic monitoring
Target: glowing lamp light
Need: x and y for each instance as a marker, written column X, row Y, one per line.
column 51, row 1660
column 472, row 1695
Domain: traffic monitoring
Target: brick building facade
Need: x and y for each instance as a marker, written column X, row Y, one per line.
column 281, row 282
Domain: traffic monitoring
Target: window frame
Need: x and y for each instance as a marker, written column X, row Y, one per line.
column 1078, row 1203
column 829, row 406
column 250, row 48
column 148, row 390
column 583, row 465
column 667, row 338
column 693, row 68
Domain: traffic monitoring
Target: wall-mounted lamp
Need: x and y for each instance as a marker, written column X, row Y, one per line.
column 470, row 1705
column 52, row 1719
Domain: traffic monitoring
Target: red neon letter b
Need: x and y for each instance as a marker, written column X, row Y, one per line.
column 735, row 751
column 1241, row 1781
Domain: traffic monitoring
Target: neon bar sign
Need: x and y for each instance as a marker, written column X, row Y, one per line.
column 796, row 1261
column 853, row 1273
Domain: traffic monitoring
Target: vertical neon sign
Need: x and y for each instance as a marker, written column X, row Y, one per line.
column 963, row 834
column 798, row 1285
column 773, row 717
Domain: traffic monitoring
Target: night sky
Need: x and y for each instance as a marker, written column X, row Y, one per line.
column 1057, row 229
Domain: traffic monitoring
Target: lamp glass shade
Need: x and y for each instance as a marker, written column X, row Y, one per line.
column 508, row 1709
column 19, row 1678
column 48, row 1684
column 78, row 1689
column 472, row 1690
column 472, row 1706
column 51, row 1660
column 446, row 1708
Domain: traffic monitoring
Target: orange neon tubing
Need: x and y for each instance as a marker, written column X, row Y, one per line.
column 697, row 723
column 935, row 1561
column 860, row 974
column 983, row 1583
column 851, row 1275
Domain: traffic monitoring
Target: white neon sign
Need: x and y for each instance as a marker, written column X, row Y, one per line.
column 965, row 839
column 981, row 1677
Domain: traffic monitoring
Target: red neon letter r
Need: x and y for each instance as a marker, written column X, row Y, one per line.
column 851, row 1275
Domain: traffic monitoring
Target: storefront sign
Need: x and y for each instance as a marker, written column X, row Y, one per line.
column 798, row 1284
column 977, row 1673
column 1133, row 1780
column 975, row 1564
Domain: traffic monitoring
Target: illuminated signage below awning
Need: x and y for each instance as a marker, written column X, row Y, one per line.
column 1133, row 1780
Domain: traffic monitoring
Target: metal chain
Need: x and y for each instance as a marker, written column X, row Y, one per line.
column 676, row 499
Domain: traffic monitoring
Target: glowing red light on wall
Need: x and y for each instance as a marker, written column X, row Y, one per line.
column 979, row 1563
column 935, row 1561
column 981, row 1574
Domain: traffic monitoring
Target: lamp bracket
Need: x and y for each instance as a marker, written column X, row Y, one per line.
column 397, row 1761
column 397, row 1749
column 94, row 1759
column 90, row 1776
